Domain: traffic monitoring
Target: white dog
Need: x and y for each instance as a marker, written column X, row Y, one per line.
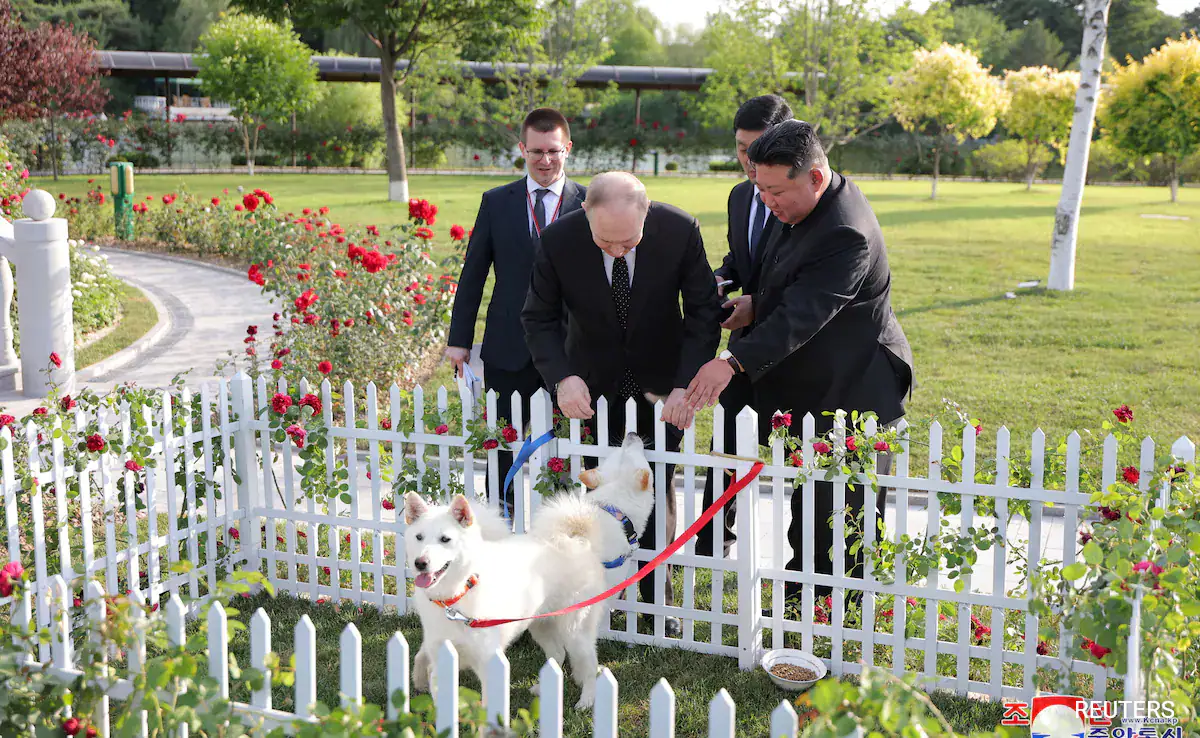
column 576, row 546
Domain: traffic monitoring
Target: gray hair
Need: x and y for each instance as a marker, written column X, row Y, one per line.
column 619, row 189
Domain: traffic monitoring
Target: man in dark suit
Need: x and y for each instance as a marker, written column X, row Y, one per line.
column 824, row 334
column 510, row 220
column 750, row 226
column 626, row 336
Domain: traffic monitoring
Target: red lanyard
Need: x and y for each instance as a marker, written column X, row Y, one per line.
column 553, row 217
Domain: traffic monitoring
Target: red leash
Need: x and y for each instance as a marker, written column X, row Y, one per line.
column 737, row 486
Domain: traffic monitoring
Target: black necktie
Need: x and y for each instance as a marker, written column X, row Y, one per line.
column 756, row 228
column 539, row 208
column 620, row 293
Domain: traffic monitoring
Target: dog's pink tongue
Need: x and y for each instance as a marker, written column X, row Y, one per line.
column 423, row 580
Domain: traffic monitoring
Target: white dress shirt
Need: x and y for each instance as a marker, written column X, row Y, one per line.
column 630, row 258
column 550, row 202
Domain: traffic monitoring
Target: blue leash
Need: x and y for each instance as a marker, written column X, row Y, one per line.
column 519, row 461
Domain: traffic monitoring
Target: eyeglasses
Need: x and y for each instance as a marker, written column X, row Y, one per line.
column 536, row 154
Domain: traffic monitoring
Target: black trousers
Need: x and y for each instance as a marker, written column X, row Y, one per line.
column 823, row 529
column 526, row 381
column 645, row 429
column 737, row 395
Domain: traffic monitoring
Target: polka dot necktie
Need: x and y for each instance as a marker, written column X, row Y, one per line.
column 620, row 293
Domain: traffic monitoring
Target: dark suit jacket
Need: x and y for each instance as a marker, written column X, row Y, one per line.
column 738, row 264
column 662, row 346
column 501, row 237
column 825, row 336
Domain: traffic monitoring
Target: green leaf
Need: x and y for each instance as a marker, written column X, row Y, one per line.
column 1074, row 571
column 1092, row 553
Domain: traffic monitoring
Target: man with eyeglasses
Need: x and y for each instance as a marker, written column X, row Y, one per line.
column 507, row 230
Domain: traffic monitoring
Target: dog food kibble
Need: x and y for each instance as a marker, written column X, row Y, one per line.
column 793, row 672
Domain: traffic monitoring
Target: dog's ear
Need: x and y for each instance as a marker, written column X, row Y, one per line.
column 643, row 479
column 414, row 508
column 590, row 478
column 461, row 510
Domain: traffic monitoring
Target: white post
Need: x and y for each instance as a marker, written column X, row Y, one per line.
column 541, row 420
column 1133, row 668
column 749, row 580
column 43, row 260
column 1066, row 218
column 9, row 364
column 246, row 468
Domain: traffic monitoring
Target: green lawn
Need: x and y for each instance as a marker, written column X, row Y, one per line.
column 138, row 316
column 1058, row 361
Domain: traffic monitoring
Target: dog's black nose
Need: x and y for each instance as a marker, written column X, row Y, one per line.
column 422, row 564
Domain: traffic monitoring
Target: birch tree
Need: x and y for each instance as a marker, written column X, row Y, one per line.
column 1066, row 217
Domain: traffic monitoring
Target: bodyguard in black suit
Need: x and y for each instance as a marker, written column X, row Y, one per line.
column 823, row 333
column 626, row 336
column 750, row 226
column 505, row 236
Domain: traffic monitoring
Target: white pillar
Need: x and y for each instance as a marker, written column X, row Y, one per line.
column 43, row 262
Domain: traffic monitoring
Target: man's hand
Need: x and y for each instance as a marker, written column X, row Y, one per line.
column 675, row 410
column 708, row 384
column 458, row 356
column 574, row 399
column 720, row 287
column 743, row 312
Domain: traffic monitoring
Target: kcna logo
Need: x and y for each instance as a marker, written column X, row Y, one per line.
column 1067, row 716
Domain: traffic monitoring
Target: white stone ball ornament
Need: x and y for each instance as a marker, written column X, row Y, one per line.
column 39, row 205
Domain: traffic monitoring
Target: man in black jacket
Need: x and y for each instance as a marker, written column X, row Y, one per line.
column 626, row 336
column 750, row 226
column 510, row 220
column 824, row 334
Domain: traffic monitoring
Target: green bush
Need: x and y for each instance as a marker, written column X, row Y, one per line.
column 1007, row 160
column 672, row 166
column 724, row 166
column 519, row 162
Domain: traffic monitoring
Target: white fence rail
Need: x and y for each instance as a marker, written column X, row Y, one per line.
column 220, row 491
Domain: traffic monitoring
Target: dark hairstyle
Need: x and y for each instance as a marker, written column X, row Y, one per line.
column 544, row 120
column 793, row 143
column 762, row 112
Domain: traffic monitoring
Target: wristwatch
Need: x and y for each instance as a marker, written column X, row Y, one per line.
column 730, row 359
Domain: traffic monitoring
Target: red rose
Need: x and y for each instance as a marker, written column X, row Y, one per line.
column 66, row 403
column 1109, row 513
column 325, row 367
column 283, row 352
column 40, row 411
column 385, row 424
column 55, row 359
column 216, row 201
column 555, row 464
column 252, row 330
column 374, row 262
column 981, row 632
column 250, row 202
column 442, row 429
column 821, row 447
column 280, row 403
column 349, row 322
column 9, row 576
column 979, row 429
column 311, row 400
column 6, row 420
column 781, row 420
column 1043, row 648
column 1124, row 414
column 419, row 298
column 423, row 232
column 851, row 444
column 276, row 364
column 70, row 726
column 297, row 435
column 322, row 210
column 389, row 505
column 490, row 444
column 95, row 443
column 133, row 466
column 882, row 446
column 477, row 157
column 796, row 459
column 306, row 300
column 633, row 142
column 1149, row 566
column 1084, row 537
column 457, row 232
column 509, row 434
column 91, row 729
column 1097, row 650
column 234, row 533
column 1130, row 474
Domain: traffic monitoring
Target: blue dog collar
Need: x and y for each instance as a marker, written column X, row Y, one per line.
column 630, row 535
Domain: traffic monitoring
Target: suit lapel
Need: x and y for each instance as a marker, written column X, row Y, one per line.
column 519, row 212
column 570, row 198
column 596, row 279
column 645, row 265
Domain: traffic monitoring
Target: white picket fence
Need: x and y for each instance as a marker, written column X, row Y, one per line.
column 496, row 692
column 243, row 505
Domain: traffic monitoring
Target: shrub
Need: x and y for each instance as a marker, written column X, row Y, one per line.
column 519, row 162
column 724, row 166
column 1007, row 160
column 672, row 166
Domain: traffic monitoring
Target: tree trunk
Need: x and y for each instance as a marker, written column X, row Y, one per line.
column 937, row 162
column 246, row 148
column 1030, row 171
column 53, row 148
column 396, row 168
column 1066, row 218
column 1174, row 180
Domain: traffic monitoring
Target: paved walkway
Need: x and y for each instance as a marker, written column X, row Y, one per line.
column 208, row 309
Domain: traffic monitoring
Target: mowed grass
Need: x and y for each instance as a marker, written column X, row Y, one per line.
column 1058, row 361
column 138, row 316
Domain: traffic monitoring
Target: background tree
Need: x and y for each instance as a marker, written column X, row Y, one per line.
column 1191, row 20
column 981, row 30
column 1066, row 217
column 1153, row 106
column 1035, row 46
column 261, row 69
column 1137, row 27
column 947, row 93
column 405, row 29
column 748, row 58
column 1039, row 113
column 46, row 72
column 109, row 22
